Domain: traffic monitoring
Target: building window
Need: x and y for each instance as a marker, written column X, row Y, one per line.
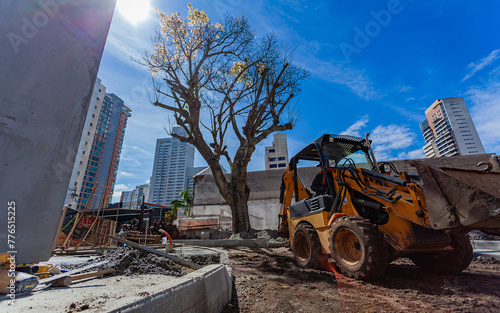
column 273, row 166
column 282, row 165
column 281, row 158
column 90, row 124
column 272, row 159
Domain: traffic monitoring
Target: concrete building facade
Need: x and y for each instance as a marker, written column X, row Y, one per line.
column 448, row 129
column 117, row 149
column 126, row 199
column 83, row 154
column 100, row 144
column 172, row 160
column 50, row 59
column 133, row 199
column 277, row 154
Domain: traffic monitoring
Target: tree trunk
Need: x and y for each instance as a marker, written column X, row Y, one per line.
column 239, row 209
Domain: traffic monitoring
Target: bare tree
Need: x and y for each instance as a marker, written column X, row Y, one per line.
column 221, row 82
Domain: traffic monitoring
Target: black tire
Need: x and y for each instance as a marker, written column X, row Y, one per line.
column 450, row 263
column 306, row 246
column 358, row 248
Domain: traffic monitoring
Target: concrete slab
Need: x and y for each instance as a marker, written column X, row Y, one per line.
column 205, row 290
column 486, row 248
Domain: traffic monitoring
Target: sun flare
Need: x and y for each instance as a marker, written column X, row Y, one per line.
column 134, row 11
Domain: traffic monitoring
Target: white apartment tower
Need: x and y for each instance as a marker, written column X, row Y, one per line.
column 448, row 129
column 172, row 160
column 277, row 154
column 84, row 149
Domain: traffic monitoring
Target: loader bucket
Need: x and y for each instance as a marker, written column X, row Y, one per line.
column 458, row 198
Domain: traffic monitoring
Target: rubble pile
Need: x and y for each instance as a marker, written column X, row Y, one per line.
column 201, row 259
column 479, row 235
column 270, row 235
column 486, row 260
column 130, row 261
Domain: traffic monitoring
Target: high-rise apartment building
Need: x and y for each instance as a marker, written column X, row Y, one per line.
column 120, row 115
column 126, row 199
column 448, row 129
column 172, row 160
column 99, row 151
column 133, row 199
column 277, row 154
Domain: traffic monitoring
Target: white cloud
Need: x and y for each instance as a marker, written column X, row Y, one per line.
column 356, row 80
column 141, row 150
column 121, row 187
column 354, row 129
column 484, row 106
column 386, row 140
column 404, row 88
column 414, row 154
column 392, row 136
column 117, row 192
column 126, row 174
column 410, row 99
column 116, row 196
column 476, row 66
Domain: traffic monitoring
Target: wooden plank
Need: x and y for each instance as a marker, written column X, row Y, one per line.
column 78, row 270
column 148, row 249
column 72, row 230
column 92, row 274
column 63, row 215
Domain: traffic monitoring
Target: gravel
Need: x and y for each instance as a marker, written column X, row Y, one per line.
column 130, row 261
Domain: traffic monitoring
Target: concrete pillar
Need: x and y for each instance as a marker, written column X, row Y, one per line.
column 50, row 54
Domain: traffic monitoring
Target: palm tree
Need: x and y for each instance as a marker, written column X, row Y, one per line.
column 186, row 202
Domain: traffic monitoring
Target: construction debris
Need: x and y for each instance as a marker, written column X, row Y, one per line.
column 148, row 249
column 270, row 235
column 130, row 261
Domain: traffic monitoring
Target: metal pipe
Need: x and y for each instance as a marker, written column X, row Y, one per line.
column 383, row 177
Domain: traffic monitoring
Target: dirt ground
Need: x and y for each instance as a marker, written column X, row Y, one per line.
column 268, row 280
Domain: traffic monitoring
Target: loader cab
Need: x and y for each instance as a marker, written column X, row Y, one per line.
column 347, row 152
column 329, row 151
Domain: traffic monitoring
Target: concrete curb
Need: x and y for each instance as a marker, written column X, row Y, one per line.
column 251, row 243
column 205, row 290
column 486, row 248
column 485, row 245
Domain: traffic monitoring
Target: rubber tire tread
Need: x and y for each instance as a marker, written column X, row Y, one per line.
column 314, row 244
column 375, row 259
column 451, row 264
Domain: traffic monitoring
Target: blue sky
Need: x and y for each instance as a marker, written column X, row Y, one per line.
column 375, row 67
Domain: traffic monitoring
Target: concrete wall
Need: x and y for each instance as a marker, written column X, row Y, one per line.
column 263, row 205
column 50, row 56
